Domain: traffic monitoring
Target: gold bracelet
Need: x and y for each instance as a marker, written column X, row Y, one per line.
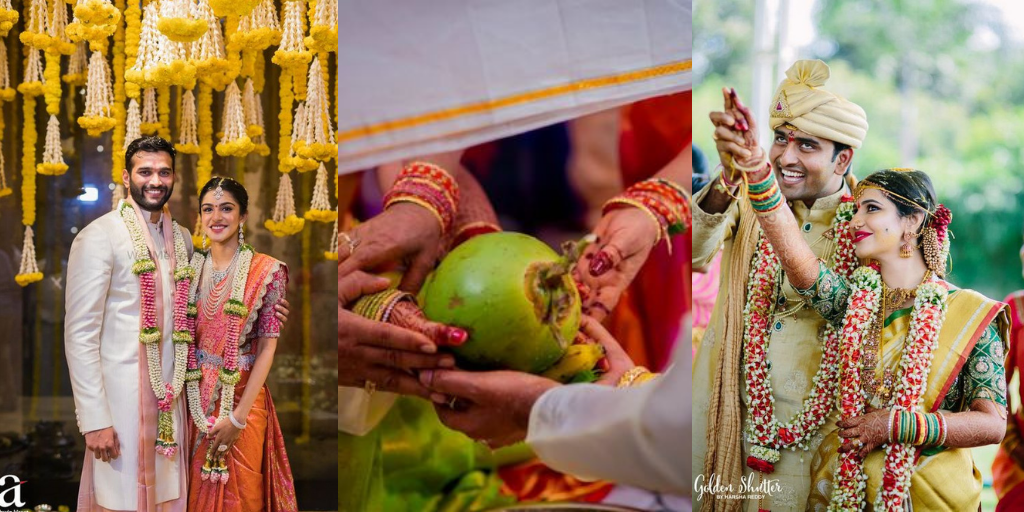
column 637, row 204
column 631, row 376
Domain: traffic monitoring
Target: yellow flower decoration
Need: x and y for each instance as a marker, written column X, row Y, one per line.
column 8, row 18
column 182, row 30
column 227, row 8
column 290, row 225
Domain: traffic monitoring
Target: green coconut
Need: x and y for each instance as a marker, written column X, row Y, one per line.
column 514, row 296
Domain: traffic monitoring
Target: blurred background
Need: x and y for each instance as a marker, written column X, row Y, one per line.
column 940, row 82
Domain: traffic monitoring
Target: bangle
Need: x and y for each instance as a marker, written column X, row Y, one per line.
column 621, row 200
column 765, row 195
column 429, row 186
column 632, row 375
column 756, row 167
column 943, row 429
column 239, row 426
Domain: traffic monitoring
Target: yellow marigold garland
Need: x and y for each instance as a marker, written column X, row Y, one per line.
column 258, row 30
column 120, row 115
column 179, row 21
column 36, row 25
column 227, row 8
column 132, row 37
column 204, row 109
column 320, row 208
column 57, row 30
column 95, row 21
column 8, row 17
column 28, row 273
column 323, row 31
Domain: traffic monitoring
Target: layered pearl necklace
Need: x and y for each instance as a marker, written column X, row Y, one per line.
column 150, row 334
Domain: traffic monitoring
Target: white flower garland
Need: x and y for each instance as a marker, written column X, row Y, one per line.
column 150, row 335
column 215, row 468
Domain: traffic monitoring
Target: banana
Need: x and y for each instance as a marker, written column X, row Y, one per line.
column 578, row 358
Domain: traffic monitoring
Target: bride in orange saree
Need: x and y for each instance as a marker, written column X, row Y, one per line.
column 238, row 458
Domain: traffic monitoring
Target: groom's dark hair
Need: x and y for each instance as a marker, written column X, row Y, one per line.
column 148, row 144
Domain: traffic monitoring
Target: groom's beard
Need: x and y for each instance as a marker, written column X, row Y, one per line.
column 139, row 195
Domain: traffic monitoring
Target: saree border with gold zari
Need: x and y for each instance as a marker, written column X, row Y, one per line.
column 940, row 481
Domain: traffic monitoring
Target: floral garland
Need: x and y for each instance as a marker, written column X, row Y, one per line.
column 915, row 363
column 215, row 468
column 766, row 433
column 150, row 335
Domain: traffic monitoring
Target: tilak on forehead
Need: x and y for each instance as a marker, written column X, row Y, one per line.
column 801, row 104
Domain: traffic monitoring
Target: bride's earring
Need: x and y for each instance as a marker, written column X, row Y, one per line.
column 241, row 233
column 204, row 240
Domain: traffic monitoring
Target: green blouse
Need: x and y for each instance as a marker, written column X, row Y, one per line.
column 982, row 376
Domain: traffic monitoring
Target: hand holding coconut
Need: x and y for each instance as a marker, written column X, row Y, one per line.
column 376, row 354
column 494, row 407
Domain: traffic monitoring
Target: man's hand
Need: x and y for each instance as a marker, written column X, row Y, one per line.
column 493, row 407
column 404, row 233
column 281, row 310
column 625, row 237
column 103, row 443
column 618, row 360
column 383, row 356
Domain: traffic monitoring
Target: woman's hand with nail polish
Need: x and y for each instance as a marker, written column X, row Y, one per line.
column 625, row 237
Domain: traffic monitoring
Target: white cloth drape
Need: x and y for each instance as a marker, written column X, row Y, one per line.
column 423, row 77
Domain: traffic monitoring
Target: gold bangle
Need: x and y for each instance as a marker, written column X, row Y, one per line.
column 416, row 200
column 630, row 377
column 637, row 204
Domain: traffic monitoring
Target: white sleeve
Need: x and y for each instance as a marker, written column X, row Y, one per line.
column 638, row 436
column 89, row 271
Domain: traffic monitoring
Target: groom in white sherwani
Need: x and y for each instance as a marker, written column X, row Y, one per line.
column 135, row 460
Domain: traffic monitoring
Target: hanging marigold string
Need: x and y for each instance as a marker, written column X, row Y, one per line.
column 133, row 124
column 299, row 135
column 188, row 138
column 30, row 88
column 284, row 222
column 292, row 54
column 37, row 23
column 204, row 165
column 235, row 142
column 323, row 31
column 99, row 98
column 317, row 141
column 120, row 114
column 150, row 119
column 163, row 108
column 180, row 22
column 258, row 30
column 8, row 17
column 208, row 53
column 160, row 62
column 132, row 41
column 78, row 68
column 320, row 208
column 7, row 92
column 94, row 21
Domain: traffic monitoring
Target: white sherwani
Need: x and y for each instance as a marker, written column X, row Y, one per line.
column 638, row 436
column 102, row 344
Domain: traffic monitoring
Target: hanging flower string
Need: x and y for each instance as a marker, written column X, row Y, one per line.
column 320, row 209
column 188, row 139
column 8, row 17
column 78, row 68
column 94, row 21
column 317, row 142
column 99, row 98
column 150, row 119
column 215, row 467
column 235, row 142
column 284, row 222
column 150, row 335
column 179, row 21
column 323, row 31
column 31, row 88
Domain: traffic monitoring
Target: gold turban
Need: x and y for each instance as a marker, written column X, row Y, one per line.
column 800, row 102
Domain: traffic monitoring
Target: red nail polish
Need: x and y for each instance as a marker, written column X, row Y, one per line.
column 600, row 264
column 603, row 364
column 457, row 336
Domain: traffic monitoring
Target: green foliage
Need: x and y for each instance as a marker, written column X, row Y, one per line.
column 943, row 73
